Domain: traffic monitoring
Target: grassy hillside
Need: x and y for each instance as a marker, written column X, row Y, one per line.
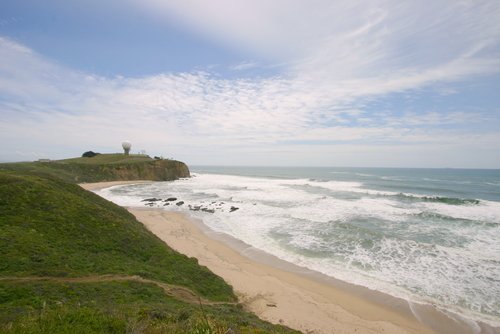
column 101, row 270
column 113, row 158
column 105, row 167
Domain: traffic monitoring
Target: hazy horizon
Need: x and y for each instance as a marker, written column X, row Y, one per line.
column 195, row 166
column 235, row 83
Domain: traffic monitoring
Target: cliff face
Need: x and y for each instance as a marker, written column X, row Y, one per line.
column 93, row 170
column 156, row 170
column 159, row 170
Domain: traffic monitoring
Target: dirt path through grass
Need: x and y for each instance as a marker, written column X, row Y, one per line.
column 179, row 292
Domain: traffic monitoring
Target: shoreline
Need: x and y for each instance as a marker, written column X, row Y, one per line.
column 274, row 294
column 281, row 292
column 94, row 186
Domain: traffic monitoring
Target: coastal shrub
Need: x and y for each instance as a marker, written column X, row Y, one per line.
column 115, row 307
column 53, row 228
column 89, row 154
column 104, row 167
column 49, row 227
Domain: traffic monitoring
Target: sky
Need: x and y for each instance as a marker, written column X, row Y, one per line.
column 384, row 83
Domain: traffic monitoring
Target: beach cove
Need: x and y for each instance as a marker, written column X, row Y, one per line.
column 280, row 292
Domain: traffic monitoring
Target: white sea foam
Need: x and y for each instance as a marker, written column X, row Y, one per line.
column 114, row 195
column 421, row 250
column 487, row 211
column 342, row 186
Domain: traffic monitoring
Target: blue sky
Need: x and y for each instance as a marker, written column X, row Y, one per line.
column 301, row 83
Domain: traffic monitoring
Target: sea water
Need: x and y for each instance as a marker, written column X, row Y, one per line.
column 426, row 235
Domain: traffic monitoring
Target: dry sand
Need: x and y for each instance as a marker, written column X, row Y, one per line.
column 281, row 295
column 274, row 294
column 101, row 185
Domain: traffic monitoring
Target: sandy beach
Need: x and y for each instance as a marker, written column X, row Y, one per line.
column 102, row 185
column 281, row 294
column 273, row 294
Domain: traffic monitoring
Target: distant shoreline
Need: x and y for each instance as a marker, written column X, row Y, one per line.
column 280, row 292
column 94, row 186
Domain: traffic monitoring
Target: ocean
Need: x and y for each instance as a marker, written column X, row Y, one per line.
column 425, row 235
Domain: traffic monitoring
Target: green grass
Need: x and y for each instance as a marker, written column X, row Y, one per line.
column 114, row 307
column 49, row 227
column 52, row 228
column 104, row 167
column 115, row 158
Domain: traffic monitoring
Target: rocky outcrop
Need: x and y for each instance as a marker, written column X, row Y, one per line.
column 157, row 170
column 106, row 167
column 154, row 170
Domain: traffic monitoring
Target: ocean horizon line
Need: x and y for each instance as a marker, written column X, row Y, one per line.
column 357, row 167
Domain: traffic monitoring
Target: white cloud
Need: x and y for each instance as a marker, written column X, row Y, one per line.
column 246, row 65
column 337, row 55
column 347, row 39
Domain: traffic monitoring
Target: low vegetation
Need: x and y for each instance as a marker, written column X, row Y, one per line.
column 115, row 158
column 105, row 167
column 73, row 262
column 89, row 154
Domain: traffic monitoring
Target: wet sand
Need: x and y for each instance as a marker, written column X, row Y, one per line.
column 274, row 294
column 280, row 292
column 101, row 185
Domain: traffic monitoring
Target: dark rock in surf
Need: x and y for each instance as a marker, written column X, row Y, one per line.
column 153, row 199
column 208, row 210
column 194, row 208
